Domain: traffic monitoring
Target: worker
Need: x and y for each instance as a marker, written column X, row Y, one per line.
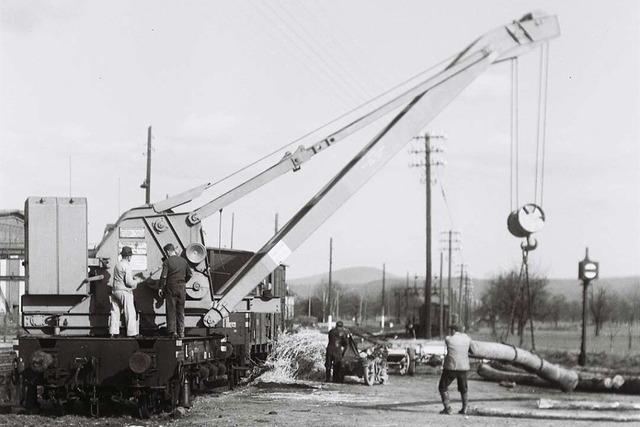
column 176, row 272
column 338, row 342
column 456, row 365
column 411, row 329
column 121, row 296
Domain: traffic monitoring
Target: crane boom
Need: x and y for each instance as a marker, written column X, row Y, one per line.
column 435, row 94
column 293, row 161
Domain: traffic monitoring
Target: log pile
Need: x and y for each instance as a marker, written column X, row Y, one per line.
column 523, row 378
column 524, row 374
column 565, row 379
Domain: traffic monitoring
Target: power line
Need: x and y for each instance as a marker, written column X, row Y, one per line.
column 354, row 82
column 333, row 121
column 299, row 42
column 447, row 206
column 297, row 52
column 337, row 44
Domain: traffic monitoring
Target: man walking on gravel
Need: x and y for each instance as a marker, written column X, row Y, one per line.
column 456, row 365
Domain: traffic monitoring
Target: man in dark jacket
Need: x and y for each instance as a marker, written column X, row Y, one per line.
column 175, row 275
column 338, row 342
column 456, row 365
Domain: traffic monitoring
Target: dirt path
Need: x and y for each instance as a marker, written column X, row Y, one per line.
column 403, row 401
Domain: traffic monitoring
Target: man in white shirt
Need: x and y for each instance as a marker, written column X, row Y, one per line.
column 121, row 296
column 456, row 365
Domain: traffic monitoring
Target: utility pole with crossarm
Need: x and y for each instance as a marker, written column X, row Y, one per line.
column 427, row 164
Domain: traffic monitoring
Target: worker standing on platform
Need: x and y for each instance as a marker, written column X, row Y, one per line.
column 338, row 342
column 456, row 365
column 175, row 275
column 121, row 296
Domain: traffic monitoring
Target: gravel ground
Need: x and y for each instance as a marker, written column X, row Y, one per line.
column 403, row 401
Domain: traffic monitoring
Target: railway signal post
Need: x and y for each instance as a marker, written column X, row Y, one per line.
column 587, row 271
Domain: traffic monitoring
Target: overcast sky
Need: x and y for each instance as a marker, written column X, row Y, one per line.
column 223, row 83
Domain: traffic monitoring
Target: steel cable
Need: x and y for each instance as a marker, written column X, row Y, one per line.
column 331, row 122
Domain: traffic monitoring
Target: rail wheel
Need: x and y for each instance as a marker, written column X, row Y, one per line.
column 370, row 373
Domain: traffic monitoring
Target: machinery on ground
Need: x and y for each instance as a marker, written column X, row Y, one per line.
column 400, row 359
column 64, row 352
column 369, row 364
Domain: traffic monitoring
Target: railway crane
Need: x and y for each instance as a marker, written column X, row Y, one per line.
column 64, row 353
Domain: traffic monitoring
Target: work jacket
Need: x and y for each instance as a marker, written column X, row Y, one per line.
column 123, row 277
column 175, row 272
column 457, row 358
column 338, row 340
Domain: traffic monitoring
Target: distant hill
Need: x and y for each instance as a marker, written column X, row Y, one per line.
column 352, row 277
column 370, row 279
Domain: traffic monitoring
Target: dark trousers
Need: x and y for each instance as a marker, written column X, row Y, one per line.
column 174, row 299
column 447, row 378
column 332, row 366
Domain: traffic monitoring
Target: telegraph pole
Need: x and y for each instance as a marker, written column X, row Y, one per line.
column 383, row 294
column 324, row 306
column 147, row 182
column 426, row 151
column 466, row 300
column 450, row 240
column 460, row 291
column 449, row 291
column 428, row 275
column 330, row 272
column 441, row 298
column 406, row 296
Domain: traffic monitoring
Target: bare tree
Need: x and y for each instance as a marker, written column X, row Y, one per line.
column 631, row 306
column 488, row 309
column 600, row 307
column 506, row 298
column 556, row 309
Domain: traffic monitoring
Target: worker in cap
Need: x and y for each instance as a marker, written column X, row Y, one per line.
column 176, row 272
column 121, row 297
column 456, row 365
column 338, row 342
